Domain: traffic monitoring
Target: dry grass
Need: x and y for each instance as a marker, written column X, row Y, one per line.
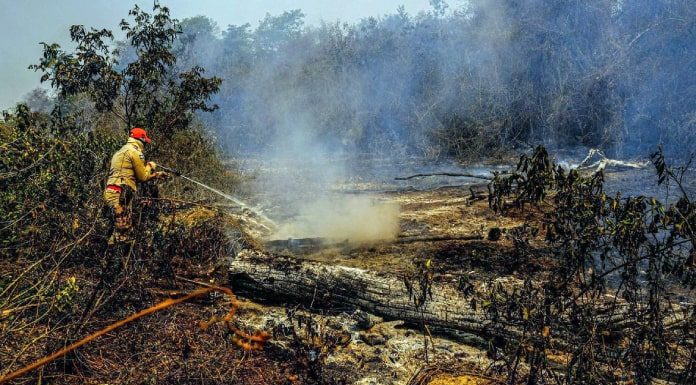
column 459, row 380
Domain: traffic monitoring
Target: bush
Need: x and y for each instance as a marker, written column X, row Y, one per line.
column 49, row 173
column 629, row 258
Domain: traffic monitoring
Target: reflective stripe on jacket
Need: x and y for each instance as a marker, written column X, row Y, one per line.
column 128, row 166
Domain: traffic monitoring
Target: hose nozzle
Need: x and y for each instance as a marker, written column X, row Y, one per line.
column 170, row 170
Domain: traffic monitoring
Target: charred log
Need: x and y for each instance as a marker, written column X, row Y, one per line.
column 265, row 277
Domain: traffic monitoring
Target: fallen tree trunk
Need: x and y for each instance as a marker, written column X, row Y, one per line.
column 316, row 284
column 603, row 162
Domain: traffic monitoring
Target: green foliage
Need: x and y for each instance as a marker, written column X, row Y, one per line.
column 53, row 169
column 470, row 80
column 194, row 153
column 147, row 91
column 57, row 268
column 65, row 296
column 49, row 172
column 275, row 31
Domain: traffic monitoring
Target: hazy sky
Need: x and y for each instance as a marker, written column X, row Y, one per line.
column 25, row 23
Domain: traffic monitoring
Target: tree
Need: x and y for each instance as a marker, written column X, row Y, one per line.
column 274, row 31
column 147, row 90
column 197, row 43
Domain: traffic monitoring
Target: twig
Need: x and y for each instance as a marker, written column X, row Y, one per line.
column 7, row 312
column 466, row 175
column 180, row 278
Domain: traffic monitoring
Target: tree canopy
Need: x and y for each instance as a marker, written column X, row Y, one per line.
column 137, row 80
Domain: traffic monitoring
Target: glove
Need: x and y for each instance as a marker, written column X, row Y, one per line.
column 161, row 175
column 153, row 165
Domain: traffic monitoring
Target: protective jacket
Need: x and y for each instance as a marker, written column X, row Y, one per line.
column 128, row 166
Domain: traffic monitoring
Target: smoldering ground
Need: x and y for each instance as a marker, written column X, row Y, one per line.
column 356, row 219
column 298, row 181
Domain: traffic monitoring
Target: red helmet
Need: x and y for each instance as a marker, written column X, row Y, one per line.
column 139, row 133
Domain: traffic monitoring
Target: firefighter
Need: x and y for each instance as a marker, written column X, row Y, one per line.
column 128, row 167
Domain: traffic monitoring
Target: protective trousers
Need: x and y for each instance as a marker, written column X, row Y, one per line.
column 119, row 199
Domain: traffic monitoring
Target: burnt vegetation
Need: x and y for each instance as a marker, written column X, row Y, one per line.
column 613, row 299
